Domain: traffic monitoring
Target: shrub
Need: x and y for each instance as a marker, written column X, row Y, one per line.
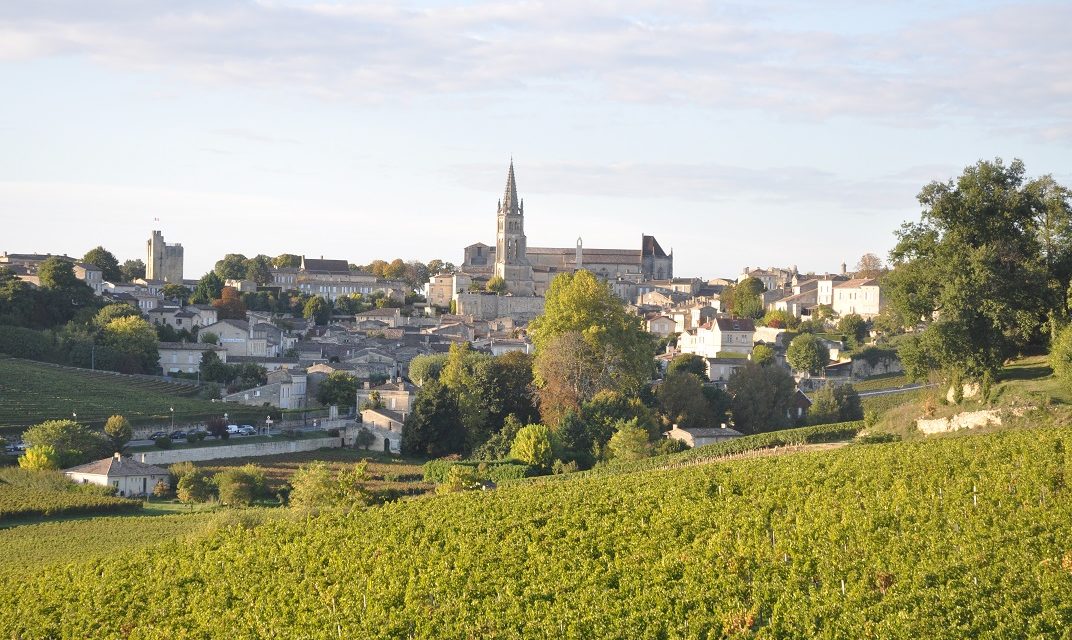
column 39, row 458
column 533, row 446
column 191, row 437
column 161, row 489
column 194, row 487
column 877, row 438
column 241, row 485
column 460, row 478
column 333, row 432
column 163, row 442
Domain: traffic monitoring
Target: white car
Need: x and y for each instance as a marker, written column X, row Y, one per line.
column 232, row 429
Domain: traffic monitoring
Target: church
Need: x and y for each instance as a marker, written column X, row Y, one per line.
column 528, row 271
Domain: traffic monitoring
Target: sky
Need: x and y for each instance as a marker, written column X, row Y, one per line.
column 753, row 133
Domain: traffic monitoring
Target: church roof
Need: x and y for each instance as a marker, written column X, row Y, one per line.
column 651, row 247
column 325, row 266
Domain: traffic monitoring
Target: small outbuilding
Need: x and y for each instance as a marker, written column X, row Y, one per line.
column 700, row 436
column 125, row 474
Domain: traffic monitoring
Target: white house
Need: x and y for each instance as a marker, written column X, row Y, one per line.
column 185, row 357
column 700, row 436
column 721, row 335
column 125, row 474
column 862, row 296
column 661, row 325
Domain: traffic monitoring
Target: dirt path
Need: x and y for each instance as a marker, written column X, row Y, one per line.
column 760, row 453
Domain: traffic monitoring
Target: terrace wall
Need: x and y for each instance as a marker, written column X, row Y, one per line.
column 199, row 454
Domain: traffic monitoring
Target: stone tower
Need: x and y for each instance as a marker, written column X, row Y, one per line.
column 164, row 261
column 511, row 261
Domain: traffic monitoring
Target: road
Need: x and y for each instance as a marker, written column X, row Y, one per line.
column 907, row 387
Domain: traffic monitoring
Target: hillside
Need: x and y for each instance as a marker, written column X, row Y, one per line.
column 31, row 392
column 945, row 538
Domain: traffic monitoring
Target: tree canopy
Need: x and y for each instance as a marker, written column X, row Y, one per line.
column 586, row 341
column 807, row 353
column 761, row 398
column 984, row 269
column 106, row 262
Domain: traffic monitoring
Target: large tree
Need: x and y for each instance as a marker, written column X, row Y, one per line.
column 131, row 270
column 744, row 300
column 229, row 305
column 807, row 353
column 339, row 388
column 135, row 340
column 232, row 267
column 73, row 442
column 682, row 401
column 761, row 398
column 106, row 262
column 981, row 269
column 434, row 428
column 586, row 336
column 209, row 288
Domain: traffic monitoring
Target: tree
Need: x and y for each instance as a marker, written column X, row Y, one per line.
column 688, row 363
column 496, row 285
column 1061, row 356
column 607, row 408
column 136, row 340
column 339, row 388
column 131, row 270
column 241, row 485
column 231, row 267
column 533, row 446
column 114, row 312
column 779, row 319
column 259, row 270
column 57, row 273
column 313, row 487
column 761, row 398
column 869, row 266
column 217, row 426
column 229, row 305
column 425, row 368
column 976, row 271
column 807, row 353
column 434, row 428
column 105, row 261
column 41, row 457
column 854, row 327
column 762, row 354
column 835, row 403
column 364, row 438
column 396, row 270
column 286, row 260
column 175, row 291
column 119, row 431
column 681, row 399
column 317, row 309
column 629, row 442
column 744, row 298
column 18, row 301
column 209, row 288
column 586, row 336
column 207, row 337
column 194, row 486
column 73, row 442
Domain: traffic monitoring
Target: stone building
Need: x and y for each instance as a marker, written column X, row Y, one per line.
column 511, row 255
column 164, row 260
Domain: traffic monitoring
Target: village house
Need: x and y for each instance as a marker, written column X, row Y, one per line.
column 185, row 357
column 661, row 325
column 721, row 335
column 286, row 389
column 862, row 296
column 397, row 395
column 124, row 474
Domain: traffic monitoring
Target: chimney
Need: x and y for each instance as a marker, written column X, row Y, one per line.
column 367, row 385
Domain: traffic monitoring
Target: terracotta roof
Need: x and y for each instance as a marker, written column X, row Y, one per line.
column 117, row 466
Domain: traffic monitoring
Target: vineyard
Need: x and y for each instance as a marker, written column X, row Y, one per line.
column 25, row 494
column 31, row 392
column 945, row 538
column 33, row 548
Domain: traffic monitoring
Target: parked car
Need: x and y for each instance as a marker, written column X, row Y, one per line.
column 178, row 435
column 157, row 434
column 247, row 430
column 232, row 429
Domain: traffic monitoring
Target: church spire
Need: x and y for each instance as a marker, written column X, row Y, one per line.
column 509, row 202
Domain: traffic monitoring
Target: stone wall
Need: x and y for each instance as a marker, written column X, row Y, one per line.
column 488, row 307
column 275, row 447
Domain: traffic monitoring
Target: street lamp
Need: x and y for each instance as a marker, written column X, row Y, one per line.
column 268, row 421
column 75, row 416
column 172, row 418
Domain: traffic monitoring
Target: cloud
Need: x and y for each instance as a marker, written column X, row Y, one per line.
column 994, row 64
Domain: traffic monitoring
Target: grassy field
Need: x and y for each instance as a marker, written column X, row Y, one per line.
column 31, row 392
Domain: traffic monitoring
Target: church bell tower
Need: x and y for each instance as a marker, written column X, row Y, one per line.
column 511, row 260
